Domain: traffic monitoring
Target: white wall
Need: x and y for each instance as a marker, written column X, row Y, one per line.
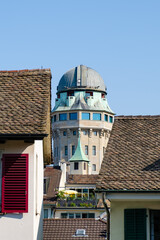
column 26, row 225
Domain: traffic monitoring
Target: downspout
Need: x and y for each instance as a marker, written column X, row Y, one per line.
column 108, row 215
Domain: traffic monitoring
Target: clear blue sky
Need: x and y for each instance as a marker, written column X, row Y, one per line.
column 120, row 39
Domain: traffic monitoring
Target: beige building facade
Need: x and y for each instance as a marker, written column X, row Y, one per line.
column 81, row 112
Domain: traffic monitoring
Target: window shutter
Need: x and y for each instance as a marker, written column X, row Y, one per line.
column 135, row 224
column 15, row 183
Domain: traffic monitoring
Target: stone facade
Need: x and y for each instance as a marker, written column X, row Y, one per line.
column 81, row 111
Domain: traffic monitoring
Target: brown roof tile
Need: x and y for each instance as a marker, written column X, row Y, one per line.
column 132, row 158
column 82, row 179
column 59, row 229
column 25, row 101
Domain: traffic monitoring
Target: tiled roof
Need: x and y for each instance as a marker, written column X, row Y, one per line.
column 66, row 229
column 25, row 101
column 53, row 176
column 132, row 158
column 82, row 179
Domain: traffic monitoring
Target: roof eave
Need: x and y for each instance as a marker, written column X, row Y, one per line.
column 22, row 136
column 126, row 191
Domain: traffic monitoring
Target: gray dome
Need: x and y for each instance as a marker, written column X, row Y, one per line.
column 81, row 77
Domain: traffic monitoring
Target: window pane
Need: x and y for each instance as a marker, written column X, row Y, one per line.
column 79, row 194
column 74, row 132
column 71, row 215
column 106, row 117
column 95, row 133
column 73, row 149
column 63, row 215
column 85, row 190
column 91, row 215
column 85, row 132
column 94, row 150
column 45, row 213
column 76, row 166
column 97, row 116
column 88, row 93
column 73, row 116
column 86, row 149
column 84, row 215
column 93, row 167
column 64, row 133
column 85, row 116
column 77, row 215
column 62, row 116
column 84, row 166
column 66, row 150
column 91, row 193
column 110, row 119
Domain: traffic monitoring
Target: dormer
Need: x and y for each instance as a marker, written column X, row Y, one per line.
column 79, row 163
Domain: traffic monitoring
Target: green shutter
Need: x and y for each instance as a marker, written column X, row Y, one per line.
column 135, row 224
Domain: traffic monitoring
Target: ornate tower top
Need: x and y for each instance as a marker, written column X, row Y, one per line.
column 81, row 77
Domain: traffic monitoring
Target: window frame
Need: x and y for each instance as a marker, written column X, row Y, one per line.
column 66, row 150
column 73, row 149
column 95, row 116
column 94, row 152
column 86, row 149
column 94, row 167
column 85, row 116
column 76, row 165
column 73, row 116
column 63, row 116
column 105, row 117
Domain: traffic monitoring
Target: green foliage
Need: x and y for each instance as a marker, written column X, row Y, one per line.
column 72, row 204
column 86, row 205
column 61, row 195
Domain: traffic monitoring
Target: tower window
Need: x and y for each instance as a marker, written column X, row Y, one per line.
column 73, row 149
column 58, row 95
column 64, row 133
column 94, row 150
column 84, row 166
column 85, row 116
column 89, row 93
column 85, row 132
column 95, row 133
column 106, row 117
column 74, row 132
column 76, row 166
column 86, row 149
column 66, row 150
column 110, row 119
column 103, row 95
column 73, row 116
column 70, row 93
column 94, row 167
column 97, row 116
column 62, row 116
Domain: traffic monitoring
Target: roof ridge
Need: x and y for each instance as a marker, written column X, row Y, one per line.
column 25, row 70
column 136, row 117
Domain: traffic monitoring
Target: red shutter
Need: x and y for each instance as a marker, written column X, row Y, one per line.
column 15, row 183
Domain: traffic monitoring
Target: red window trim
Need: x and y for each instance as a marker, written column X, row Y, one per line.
column 6, row 195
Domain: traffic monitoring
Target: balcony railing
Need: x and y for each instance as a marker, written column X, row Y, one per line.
column 84, row 203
